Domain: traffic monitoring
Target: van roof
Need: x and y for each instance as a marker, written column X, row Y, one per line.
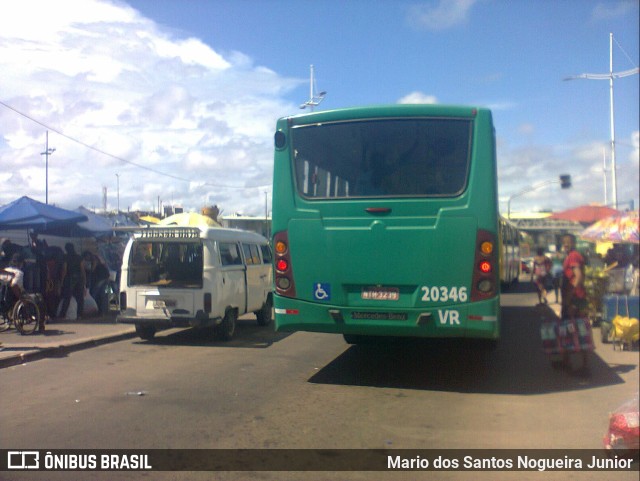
column 213, row 233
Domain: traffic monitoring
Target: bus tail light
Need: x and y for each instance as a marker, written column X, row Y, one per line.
column 484, row 276
column 282, row 263
column 123, row 301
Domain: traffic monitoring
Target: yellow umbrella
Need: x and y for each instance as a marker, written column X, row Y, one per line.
column 189, row 219
column 149, row 219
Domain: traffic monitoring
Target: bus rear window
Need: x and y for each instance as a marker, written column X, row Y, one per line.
column 166, row 264
column 382, row 158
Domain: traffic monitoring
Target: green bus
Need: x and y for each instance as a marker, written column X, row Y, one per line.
column 385, row 223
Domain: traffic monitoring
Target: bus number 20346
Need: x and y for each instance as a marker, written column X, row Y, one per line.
column 444, row 294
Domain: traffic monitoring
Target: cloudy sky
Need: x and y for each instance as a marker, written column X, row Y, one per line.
column 175, row 102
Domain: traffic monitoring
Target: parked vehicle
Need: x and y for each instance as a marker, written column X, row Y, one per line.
column 195, row 277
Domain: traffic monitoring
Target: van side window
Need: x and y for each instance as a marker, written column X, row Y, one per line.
column 255, row 253
column 251, row 254
column 266, row 254
column 247, row 254
column 229, row 254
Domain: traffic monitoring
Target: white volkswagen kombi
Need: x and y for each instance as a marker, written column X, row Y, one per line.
column 194, row 277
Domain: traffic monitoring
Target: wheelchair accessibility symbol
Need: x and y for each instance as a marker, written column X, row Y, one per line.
column 321, row 292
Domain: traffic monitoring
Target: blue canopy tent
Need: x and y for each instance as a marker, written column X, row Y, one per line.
column 94, row 226
column 26, row 213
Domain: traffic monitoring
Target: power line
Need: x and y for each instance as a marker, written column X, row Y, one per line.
column 135, row 164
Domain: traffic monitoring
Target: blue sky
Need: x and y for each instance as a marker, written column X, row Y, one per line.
column 193, row 88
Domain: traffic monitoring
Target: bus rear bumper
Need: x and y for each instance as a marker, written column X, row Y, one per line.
column 479, row 320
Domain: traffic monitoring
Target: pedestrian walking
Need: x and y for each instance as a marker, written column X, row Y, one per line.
column 73, row 280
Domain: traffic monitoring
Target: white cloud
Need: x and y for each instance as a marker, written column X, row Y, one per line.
column 418, row 98
column 441, row 14
column 102, row 74
column 609, row 10
column 634, row 156
column 526, row 129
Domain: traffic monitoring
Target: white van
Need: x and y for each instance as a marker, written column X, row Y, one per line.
column 194, row 277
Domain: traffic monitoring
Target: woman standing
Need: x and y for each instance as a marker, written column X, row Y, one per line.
column 541, row 273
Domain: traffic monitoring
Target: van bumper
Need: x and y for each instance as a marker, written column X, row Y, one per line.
column 201, row 319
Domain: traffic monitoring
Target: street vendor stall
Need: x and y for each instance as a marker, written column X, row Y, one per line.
column 617, row 282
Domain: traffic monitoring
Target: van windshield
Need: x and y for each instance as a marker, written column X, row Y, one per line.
column 168, row 264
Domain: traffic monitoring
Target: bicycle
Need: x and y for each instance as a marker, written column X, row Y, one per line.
column 23, row 313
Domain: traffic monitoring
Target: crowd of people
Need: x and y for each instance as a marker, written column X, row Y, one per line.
column 564, row 271
column 58, row 276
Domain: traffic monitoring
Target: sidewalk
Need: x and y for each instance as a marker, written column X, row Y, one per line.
column 62, row 336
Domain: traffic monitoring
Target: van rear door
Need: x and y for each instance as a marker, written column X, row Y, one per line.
column 256, row 277
column 234, row 291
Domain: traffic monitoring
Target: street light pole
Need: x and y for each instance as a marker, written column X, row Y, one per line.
column 314, row 99
column 118, row 190
column 47, row 152
column 610, row 76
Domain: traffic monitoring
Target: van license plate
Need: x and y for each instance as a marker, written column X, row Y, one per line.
column 381, row 294
column 162, row 303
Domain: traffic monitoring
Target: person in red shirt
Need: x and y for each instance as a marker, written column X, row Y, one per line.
column 574, row 294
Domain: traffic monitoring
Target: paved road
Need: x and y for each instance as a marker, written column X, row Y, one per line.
column 306, row 390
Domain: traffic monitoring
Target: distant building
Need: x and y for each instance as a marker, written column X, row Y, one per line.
column 255, row 224
column 544, row 230
column 171, row 209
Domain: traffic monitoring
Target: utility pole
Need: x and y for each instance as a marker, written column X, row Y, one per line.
column 47, row 152
column 609, row 76
column 118, row 190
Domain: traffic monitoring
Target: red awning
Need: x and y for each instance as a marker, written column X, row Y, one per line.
column 586, row 214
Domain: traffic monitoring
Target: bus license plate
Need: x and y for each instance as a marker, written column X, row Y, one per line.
column 381, row 294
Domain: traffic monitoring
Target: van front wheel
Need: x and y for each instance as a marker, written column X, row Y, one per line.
column 224, row 332
column 146, row 333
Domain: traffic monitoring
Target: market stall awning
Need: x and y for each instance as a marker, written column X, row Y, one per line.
column 586, row 214
column 26, row 213
column 621, row 229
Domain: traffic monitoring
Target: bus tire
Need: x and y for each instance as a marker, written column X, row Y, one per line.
column 145, row 332
column 226, row 329
column 265, row 314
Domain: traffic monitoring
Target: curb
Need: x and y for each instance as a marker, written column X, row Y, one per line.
column 64, row 349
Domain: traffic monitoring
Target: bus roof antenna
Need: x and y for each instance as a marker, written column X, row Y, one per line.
column 314, row 98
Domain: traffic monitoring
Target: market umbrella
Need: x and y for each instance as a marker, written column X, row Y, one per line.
column 189, row 219
column 620, row 229
column 26, row 213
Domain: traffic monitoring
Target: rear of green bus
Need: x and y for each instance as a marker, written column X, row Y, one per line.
column 385, row 222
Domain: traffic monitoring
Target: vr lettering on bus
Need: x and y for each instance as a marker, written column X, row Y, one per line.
column 449, row 317
column 444, row 294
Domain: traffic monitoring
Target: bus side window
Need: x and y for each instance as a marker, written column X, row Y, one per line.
column 229, row 255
